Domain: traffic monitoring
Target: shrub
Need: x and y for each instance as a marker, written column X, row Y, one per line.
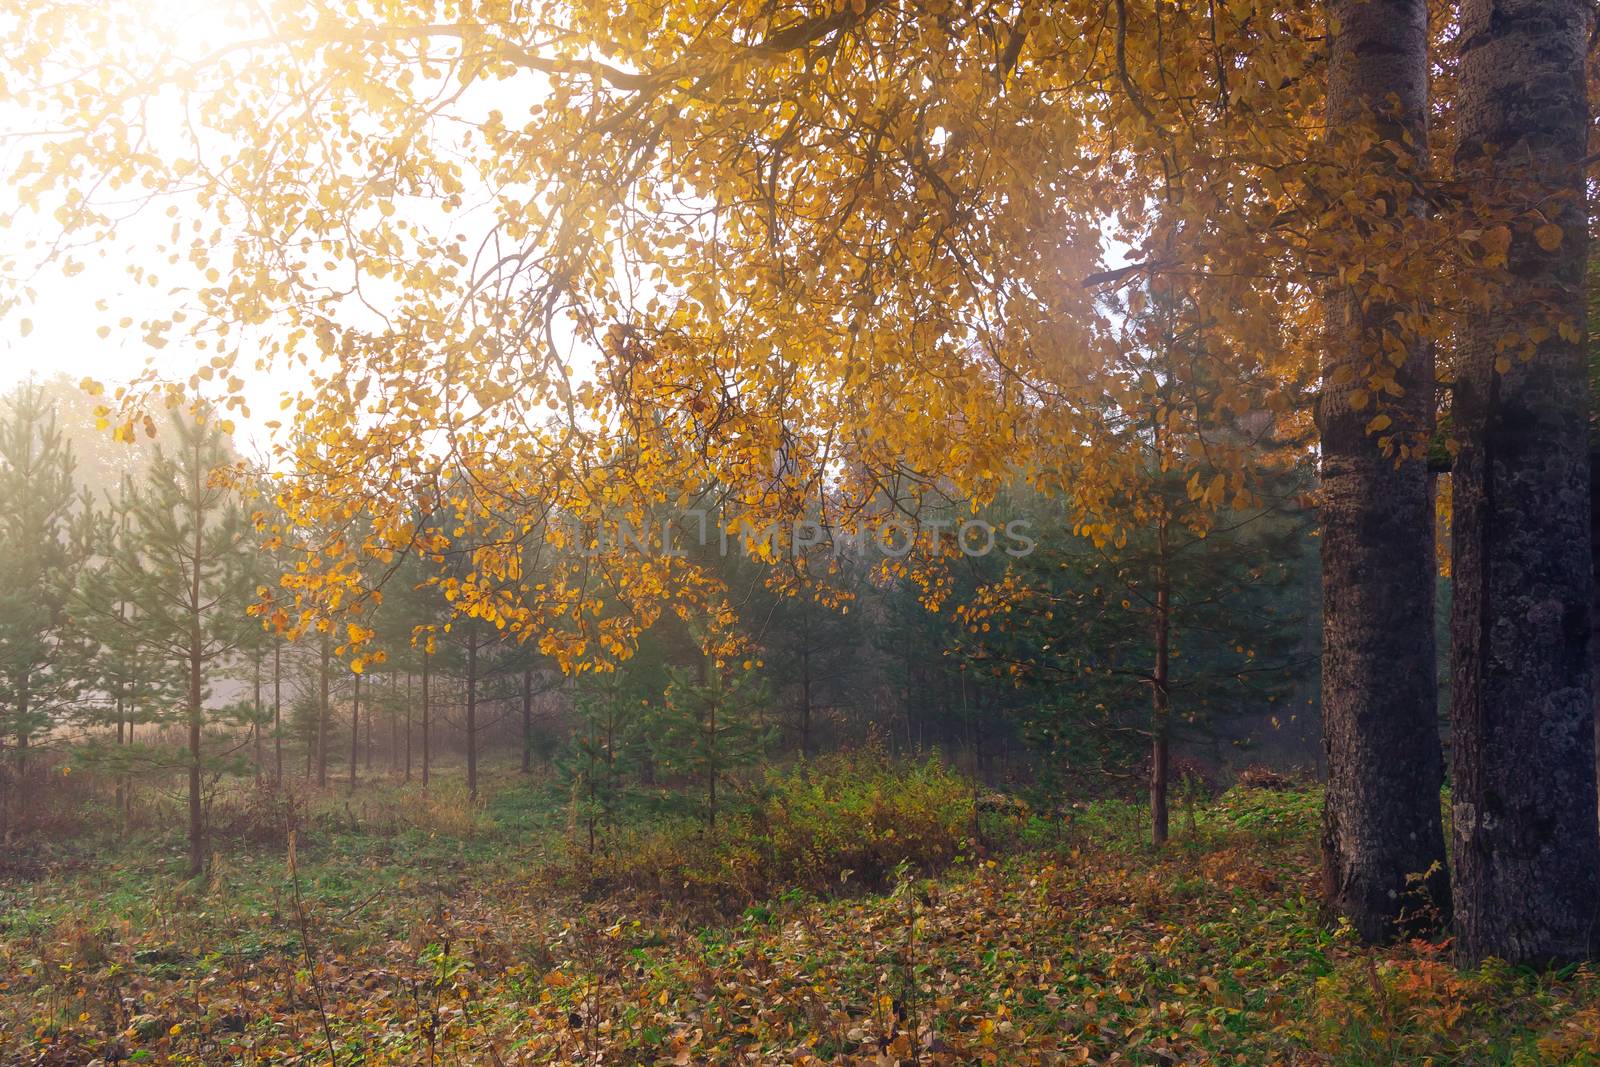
column 1260, row 777
column 855, row 819
column 842, row 823
column 256, row 812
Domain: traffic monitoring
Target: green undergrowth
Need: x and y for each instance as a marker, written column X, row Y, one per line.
column 439, row 932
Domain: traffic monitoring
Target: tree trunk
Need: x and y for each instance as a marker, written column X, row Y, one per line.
column 425, row 721
column 355, row 728
column 277, row 709
column 1383, row 842
column 394, row 726
column 527, row 721
column 122, row 777
column 1594, row 604
column 805, row 702
column 1527, row 850
column 711, row 747
column 408, row 726
column 1159, row 696
column 472, row 713
column 324, row 712
column 197, row 848
column 255, row 699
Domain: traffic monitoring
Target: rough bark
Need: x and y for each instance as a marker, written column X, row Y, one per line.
column 1594, row 610
column 1383, row 842
column 1527, row 850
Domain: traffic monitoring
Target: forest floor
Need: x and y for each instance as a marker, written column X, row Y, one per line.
column 402, row 930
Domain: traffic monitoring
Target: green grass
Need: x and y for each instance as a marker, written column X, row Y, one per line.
column 444, row 933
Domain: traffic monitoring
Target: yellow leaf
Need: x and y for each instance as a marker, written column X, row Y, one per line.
column 1548, row 236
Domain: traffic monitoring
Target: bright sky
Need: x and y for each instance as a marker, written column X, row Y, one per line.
column 62, row 322
column 63, row 341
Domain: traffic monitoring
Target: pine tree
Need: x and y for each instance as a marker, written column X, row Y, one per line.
column 46, row 534
column 711, row 725
column 133, row 683
column 187, row 581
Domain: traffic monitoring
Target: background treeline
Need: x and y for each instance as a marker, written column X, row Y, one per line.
column 133, row 672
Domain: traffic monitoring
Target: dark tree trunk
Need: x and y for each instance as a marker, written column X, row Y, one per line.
column 1594, row 604
column 1527, row 851
column 805, row 703
column 1160, row 728
column 1383, row 842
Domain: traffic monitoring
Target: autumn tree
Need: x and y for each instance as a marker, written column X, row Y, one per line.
column 1383, row 843
column 795, row 252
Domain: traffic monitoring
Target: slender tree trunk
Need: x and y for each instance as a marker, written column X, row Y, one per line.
column 355, row 728
column 394, row 726
column 1527, row 849
column 408, row 726
column 711, row 744
column 122, row 778
column 1160, row 721
column 711, row 766
column 527, row 721
column 197, row 848
column 21, row 727
column 1383, row 842
column 324, row 711
column 805, row 703
column 472, row 713
column 197, row 845
column 255, row 728
column 277, row 710
column 425, row 720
